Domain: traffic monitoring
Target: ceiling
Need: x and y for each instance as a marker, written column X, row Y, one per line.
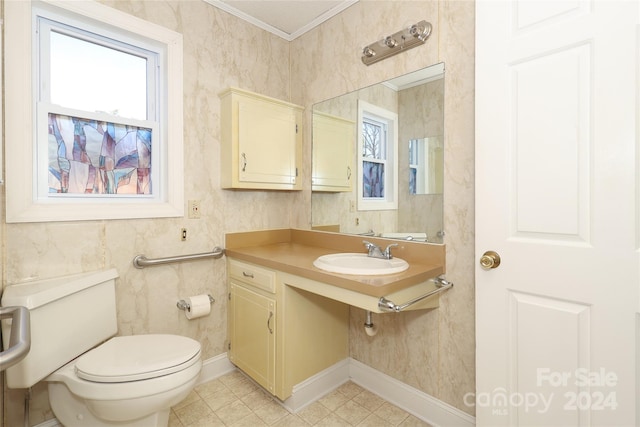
column 287, row 19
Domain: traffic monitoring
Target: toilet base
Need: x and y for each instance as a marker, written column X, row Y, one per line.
column 71, row 411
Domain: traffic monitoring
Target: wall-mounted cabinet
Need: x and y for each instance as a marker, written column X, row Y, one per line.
column 333, row 142
column 261, row 142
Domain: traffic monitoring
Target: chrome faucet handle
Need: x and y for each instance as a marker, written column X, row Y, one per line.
column 367, row 244
column 387, row 251
column 374, row 250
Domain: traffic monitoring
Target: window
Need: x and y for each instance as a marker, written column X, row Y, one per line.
column 426, row 165
column 378, row 156
column 121, row 77
column 104, row 95
column 97, row 127
column 415, row 164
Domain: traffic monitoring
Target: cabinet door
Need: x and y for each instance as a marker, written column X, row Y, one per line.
column 252, row 320
column 333, row 142
column 266, row 143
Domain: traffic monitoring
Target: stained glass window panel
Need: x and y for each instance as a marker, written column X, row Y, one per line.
column 412, row 180
column 373, row 180
column 96, row 157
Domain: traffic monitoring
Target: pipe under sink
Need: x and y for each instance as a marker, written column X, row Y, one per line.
column 19, row 338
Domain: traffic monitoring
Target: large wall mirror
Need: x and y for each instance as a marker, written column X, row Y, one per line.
column 378, row 159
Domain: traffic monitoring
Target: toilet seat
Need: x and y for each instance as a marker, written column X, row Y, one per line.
column 131, row 390
column 137, row 357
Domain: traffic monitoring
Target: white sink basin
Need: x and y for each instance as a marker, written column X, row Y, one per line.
column 360, row 264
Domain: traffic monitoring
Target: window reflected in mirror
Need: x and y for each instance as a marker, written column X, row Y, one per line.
column 377, row 154
column 426, row 165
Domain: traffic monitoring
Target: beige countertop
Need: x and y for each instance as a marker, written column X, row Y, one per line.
column 293, row 251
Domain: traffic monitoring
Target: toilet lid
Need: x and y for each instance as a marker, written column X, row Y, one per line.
column 137, row 357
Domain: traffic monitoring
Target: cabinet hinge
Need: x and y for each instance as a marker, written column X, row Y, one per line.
column 229, row 296
column 229, row 346
column 296, row 171
column 296, row 128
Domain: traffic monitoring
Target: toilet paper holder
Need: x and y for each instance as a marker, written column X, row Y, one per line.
column 183, row 305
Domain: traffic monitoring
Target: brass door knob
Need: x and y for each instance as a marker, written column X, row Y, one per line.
column 489, row 260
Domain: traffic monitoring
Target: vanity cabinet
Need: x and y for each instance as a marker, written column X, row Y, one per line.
column 280, row 335
column 261, row 142
column 252, row 319
column 333, row 142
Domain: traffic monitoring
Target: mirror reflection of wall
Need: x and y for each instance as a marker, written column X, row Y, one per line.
column 418, row 100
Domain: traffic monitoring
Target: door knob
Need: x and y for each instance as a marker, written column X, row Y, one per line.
column 489, row 260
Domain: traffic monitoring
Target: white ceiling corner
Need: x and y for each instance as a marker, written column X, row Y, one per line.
column 287, row 19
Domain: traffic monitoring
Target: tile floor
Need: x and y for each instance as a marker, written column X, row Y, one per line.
column 234, row 400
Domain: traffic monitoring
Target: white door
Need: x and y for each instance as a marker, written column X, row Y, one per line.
column 556, row 117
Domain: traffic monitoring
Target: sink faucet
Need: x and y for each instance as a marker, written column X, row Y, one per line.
column 376, row 252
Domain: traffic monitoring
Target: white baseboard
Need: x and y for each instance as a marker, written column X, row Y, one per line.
column 412, row 400
column 215, row 367
column 317, row 386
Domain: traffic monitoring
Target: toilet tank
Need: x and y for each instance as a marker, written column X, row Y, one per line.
column 69, row 315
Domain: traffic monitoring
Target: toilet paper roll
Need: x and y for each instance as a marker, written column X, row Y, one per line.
column 199, row 306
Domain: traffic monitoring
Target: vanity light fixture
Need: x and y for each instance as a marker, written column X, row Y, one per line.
column 391, row 45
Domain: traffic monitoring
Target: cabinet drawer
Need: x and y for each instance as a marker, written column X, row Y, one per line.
column 256, row 276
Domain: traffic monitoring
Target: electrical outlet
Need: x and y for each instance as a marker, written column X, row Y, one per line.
column 193, row 208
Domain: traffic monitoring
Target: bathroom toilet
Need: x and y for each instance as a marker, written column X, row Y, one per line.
column 95, row 378
column 124, row 378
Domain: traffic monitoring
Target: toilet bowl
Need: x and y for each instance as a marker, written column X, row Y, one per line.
column 134, row 379
column 95, row 378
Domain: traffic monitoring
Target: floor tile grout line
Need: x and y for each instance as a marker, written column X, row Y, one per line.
column 239, row 386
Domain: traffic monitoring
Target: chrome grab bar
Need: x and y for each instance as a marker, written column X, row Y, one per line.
column 20, row 338
column 390, row 307
column 141, row 261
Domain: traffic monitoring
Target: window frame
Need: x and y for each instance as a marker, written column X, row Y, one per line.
column 24, row 203
column 367, row 111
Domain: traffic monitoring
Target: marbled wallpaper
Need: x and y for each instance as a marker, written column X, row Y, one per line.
column 219, row 51
column 433, row 351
